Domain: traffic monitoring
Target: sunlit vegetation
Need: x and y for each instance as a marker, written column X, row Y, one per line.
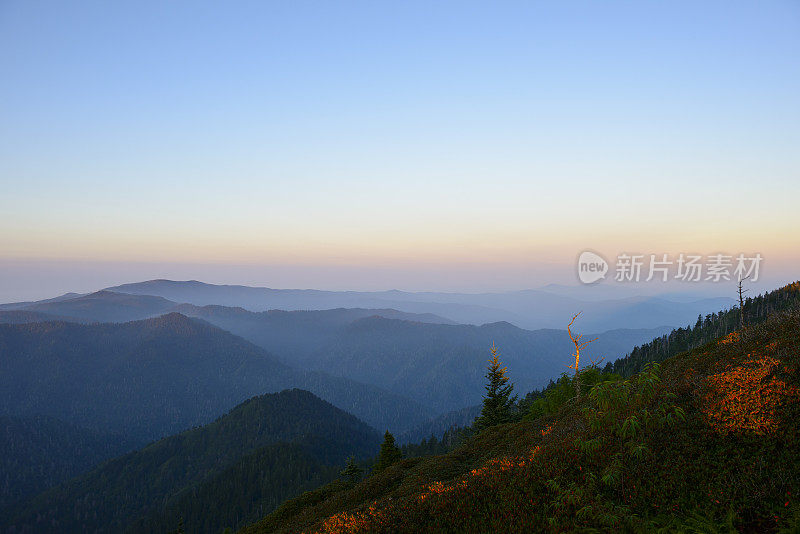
column 707, row 441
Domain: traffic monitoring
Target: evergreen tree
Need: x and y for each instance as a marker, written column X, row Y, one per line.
column 389, row 454
column 180, row 529
column 498, row 402
column 351, row 472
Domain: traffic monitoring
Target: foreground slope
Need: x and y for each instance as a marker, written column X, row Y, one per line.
column 265, row 450
column 710, row 439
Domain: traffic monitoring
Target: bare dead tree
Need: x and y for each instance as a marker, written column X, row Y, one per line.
column 578, row 347
column 741, row 301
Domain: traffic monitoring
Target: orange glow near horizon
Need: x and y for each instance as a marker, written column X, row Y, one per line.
column 371, row 246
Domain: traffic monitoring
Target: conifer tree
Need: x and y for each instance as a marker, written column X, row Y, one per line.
column 180, row 529
column 389, row 454
column 497, row 402
column 351, row 471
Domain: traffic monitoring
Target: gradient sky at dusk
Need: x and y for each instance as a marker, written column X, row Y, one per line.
column 364, row 145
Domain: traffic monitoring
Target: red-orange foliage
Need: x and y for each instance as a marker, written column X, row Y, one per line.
column 749, row 396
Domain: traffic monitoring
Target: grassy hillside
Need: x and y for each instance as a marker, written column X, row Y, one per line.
column 707, row 442
column 265, row 450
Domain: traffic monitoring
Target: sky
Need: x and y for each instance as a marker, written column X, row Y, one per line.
column 462, row 146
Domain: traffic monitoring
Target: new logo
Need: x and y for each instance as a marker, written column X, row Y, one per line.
column 591, row 267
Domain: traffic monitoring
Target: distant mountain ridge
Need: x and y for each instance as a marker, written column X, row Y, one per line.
column 106, row 306
column 532, row 309
column 21, row 305
column 27, row 316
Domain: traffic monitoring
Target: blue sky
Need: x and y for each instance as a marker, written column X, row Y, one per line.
column 394, row 135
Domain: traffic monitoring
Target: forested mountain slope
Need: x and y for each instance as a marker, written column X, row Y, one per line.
column 756, row 309
column 152, row 378
column 263, row 451
column 437, row 426
column 295, row 336
column 709, row 442
column 443, row 365
column 37, row 453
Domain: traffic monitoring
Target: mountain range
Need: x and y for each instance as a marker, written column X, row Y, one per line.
column 151, row 378
column 419, row 356
column 531, row 309
column 85, row 379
